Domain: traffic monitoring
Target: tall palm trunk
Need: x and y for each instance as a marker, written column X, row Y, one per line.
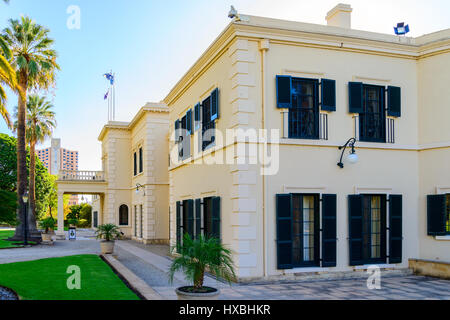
column 22, row 179
column 21, row 155
column 32, row 183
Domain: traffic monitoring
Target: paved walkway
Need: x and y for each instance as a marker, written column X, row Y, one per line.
column 151, row 265
column 85, row 244
column 147, row 264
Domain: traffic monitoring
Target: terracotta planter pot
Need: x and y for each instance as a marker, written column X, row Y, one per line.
column 46, row 237
column 107, row 247
column 183, row 295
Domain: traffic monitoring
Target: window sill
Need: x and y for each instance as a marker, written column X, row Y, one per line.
column 442, row 238
column 379, row 265
column 138, row 175
column 303, row 138
column 306, row 269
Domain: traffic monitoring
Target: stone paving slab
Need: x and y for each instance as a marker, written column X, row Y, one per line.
column 134, row 281
column 392, row 287
column 161, row 263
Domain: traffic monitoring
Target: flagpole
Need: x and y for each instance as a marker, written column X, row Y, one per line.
column 110, row 99
column 111, row 96
column 109, row 112
column 114, row 97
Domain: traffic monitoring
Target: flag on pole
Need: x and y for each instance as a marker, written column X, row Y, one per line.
column 109, row 77
column 106, row 95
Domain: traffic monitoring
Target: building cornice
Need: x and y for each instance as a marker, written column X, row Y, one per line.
column 149, row 107
column 312, row 35
column 206, row 59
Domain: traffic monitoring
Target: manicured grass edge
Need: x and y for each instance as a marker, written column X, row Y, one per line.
column 124, row 280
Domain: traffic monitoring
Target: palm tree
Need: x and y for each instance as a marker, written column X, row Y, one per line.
column 34, row 61
column 7, row 78
column 40, row 122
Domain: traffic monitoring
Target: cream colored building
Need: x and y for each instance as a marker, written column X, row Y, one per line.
column 132, row 189
column 314, row 87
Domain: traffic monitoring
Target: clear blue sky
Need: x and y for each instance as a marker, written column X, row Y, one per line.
column 150, row 44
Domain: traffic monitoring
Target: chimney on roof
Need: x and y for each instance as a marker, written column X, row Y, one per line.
column 340, row 16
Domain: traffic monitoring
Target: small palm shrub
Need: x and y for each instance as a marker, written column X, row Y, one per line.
column 47, row 224
column 108, row 232
column 195, row 255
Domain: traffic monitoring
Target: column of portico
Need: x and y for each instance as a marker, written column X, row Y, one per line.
column 60, row 234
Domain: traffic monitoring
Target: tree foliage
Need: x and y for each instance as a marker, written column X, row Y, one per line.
column 86, row 212
column 8, row 206
column 75, row 211
column 8, row 174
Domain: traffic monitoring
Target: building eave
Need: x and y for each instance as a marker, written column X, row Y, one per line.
column 149, row 107
column 309, row 34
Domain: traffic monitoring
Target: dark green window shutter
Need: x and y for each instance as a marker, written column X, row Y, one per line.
column 215, row 112
column 135, row 163
column 395, row 228
column 179, row 224
column 436, row 215
column 189, row 121
column 355, row 220
column 141, row 161
column 188, row 209
column 284, row 91
column 284, row 231
column 197, row 116
column 355, row 97
column 215, row 232
column 198, row 218
column 328, row 92
column 329, row 230
column 394, row 101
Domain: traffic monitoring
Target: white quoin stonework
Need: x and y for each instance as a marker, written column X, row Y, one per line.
column 244, row 220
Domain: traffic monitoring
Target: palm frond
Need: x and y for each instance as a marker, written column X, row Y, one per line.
column 3, row 111
column 195, row 255
column 5, row 48
column 32, row 54
column 7, row 73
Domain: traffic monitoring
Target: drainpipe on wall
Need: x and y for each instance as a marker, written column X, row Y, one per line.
column 264, row 47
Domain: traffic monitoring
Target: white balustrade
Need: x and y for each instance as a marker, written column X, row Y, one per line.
column 81, row 175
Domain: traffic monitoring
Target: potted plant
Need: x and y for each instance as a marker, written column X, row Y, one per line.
column 48, row 224
column 108, row 233
column 194, row 256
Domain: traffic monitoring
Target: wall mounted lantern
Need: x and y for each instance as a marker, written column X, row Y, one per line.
column 138, row 187
column 352, row 157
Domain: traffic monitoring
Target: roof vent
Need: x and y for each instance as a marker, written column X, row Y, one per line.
column 340, row 16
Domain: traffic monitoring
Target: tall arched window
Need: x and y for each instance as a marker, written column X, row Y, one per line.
column 123, row 215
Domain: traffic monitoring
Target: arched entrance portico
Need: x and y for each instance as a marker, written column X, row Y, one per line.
column 80, row 183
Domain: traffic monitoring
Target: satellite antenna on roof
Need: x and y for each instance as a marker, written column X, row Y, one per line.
column 401, row 29
column 233, row 14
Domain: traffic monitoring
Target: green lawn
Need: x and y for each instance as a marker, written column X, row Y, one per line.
column 5, row 244
column 47, row 279
column 5, row 234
